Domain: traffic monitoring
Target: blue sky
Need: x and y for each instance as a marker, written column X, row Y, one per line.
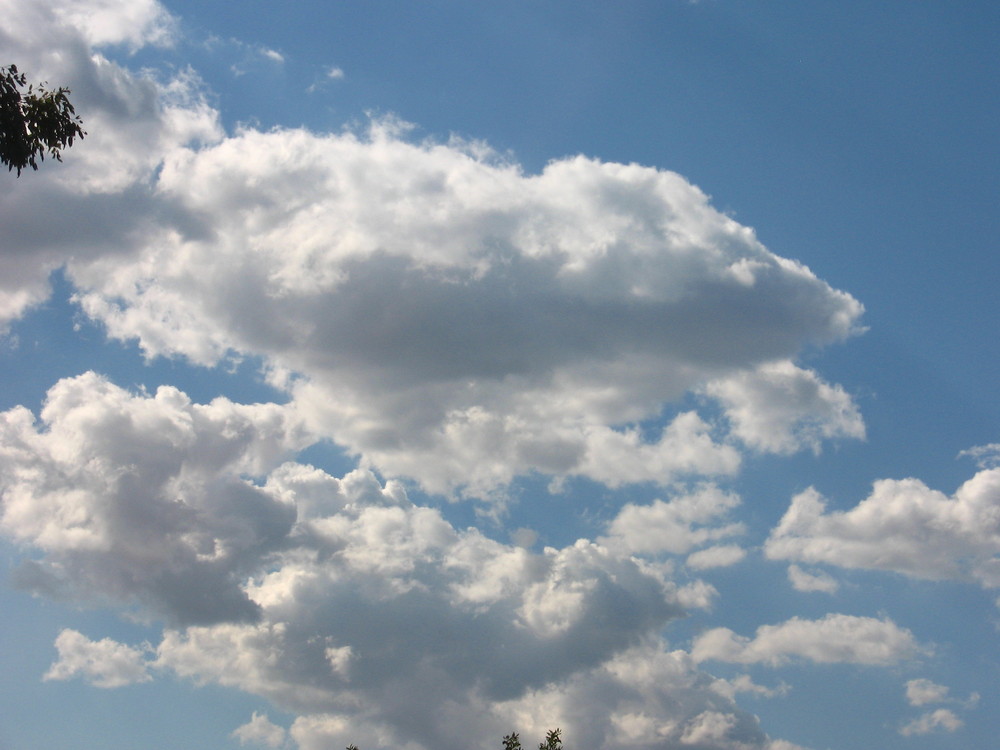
column 409, row 374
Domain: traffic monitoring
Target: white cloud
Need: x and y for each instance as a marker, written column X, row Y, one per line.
column 831, row 639
column 715, row 557
column 104, row 663
column 261, row 731
column 677, row 526
column 102, row 190
column 643, row 698
column 438, row 312
column 985, row 456
column 940, row 719
column 441, row 315
column 781, row 408
column 136, row 23
column 144, row 499
column 744, row 684
column 364, row 614
column 375, row 620
column 920, row 692
column 455, row 320
column 802, row 580
column 903, row 526
column 368, row 608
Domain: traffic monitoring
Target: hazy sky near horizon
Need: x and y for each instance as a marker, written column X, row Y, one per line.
column 407, row 374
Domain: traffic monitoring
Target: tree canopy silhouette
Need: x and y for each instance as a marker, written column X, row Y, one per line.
column 553, row 741
column 35, row 122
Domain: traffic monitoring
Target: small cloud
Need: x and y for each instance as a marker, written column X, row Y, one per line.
column 836, row 638
column 941, row 719
column 250, row 56
column 716, row 557
column 920, row 692
column 105, row 663
column 803, row 581
column 985, row 456
column 781, row 408
column 260, row 731
column 331, row 73
column 677, row 526
column 744, row 684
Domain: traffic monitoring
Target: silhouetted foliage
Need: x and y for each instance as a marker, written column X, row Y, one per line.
column 35, row 122
column 553, row 741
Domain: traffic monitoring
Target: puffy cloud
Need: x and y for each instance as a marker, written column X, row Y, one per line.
column 903, row 526
column 802, row 580
column 338, row 598
column 647, row 697
column 921, row 691
column 366, row 595
column 677, row 526
column 442, row 316
column 781, row 408
column 135, row 23
column 261, row 731
column 383, row 624
column 456, row 320
column 144, row 499
column 939, row 719
column 376, row 620
column 440, row 313
column 834, row 638
column 99, row 202
column 334, row 597
column 104, row 663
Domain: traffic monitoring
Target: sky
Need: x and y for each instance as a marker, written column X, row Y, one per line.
column 409, row 374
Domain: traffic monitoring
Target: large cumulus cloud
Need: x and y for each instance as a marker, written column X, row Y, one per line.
column 439, row 312
column 144, row 499
column 371, row 618
column 443, row 316
column 450, row 318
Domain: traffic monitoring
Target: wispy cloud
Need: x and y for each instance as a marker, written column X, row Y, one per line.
column 831, row 639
